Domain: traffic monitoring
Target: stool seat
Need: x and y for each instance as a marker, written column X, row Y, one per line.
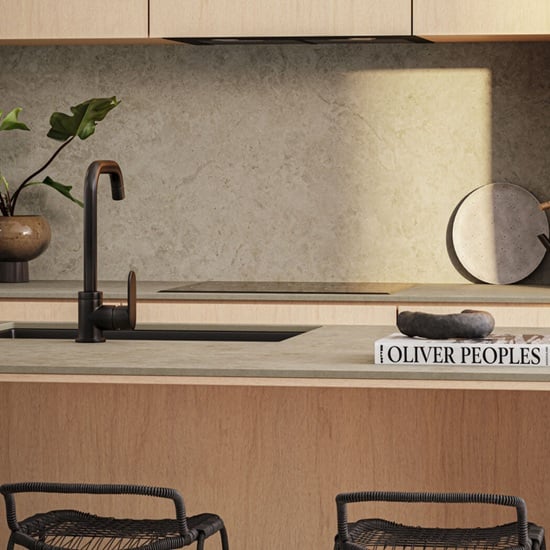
column 379, row 533
column 78, row 530
column 61, row 529
column 370, row 534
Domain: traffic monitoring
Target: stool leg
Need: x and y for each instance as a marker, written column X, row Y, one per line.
column 200, row 541
column 223, row 535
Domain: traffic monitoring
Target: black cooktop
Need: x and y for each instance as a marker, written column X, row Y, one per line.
column 289, row 287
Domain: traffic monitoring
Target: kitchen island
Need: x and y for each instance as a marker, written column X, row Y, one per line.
column 267, row 433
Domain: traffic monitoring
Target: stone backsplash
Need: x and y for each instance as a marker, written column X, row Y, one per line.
column 298, row 162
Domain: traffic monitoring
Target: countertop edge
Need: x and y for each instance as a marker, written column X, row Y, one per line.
column 336, row 383
column 149, row 291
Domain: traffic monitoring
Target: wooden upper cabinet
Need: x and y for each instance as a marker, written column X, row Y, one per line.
column 481, row 20
column 257, row 18
column 73, row 19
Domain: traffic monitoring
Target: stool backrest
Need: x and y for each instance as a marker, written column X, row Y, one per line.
column 343, row 499
column 11, row 489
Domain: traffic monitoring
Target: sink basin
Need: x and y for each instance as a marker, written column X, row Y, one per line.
column 238, row 334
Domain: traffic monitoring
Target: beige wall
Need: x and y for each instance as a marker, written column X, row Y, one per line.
column 280, row 162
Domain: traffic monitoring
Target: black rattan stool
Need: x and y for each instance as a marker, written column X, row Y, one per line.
column 377, row 533
column 75, row 530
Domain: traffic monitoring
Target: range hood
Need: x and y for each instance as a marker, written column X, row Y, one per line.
column 228, row 41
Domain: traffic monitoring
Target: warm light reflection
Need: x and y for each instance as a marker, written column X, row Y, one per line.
column 416, row 142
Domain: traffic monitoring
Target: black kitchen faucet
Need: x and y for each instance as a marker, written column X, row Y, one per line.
column 93, row 316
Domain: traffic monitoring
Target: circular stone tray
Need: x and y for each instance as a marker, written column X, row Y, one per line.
column 495, row 233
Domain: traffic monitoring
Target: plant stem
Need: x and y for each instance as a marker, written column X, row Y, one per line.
column 3, row 207
column 13, row 200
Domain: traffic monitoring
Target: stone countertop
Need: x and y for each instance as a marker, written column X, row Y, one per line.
column 412, row 293
column 317, row 357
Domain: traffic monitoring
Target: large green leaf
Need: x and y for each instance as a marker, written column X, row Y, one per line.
column 83, row 120
column 63, row 189
column 10, row 121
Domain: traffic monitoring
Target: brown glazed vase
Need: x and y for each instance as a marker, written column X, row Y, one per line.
column 22, row 238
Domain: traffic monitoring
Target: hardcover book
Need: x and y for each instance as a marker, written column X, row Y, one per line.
column 526, row 350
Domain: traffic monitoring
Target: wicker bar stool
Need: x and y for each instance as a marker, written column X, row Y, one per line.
column 370, row 534
column 75, row 530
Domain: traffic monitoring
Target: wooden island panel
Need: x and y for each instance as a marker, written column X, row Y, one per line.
column 270, row 460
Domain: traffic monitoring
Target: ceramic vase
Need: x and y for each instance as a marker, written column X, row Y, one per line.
column 22, row 238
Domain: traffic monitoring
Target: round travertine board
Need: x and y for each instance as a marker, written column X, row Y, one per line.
column 495, row 233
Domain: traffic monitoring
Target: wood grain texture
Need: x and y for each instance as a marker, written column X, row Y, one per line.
column 246, row 381
column 73, row 19
column 370, row 383
column 276, row 313
column 40, row 311
column 246, row 312
column 271, row 460
column 283, row 18
column 270, row 313
column 452, row 20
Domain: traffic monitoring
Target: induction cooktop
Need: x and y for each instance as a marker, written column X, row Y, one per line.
column 289, row 287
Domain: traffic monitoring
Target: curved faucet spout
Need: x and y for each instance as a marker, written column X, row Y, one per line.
column 95, row 169
column 93, row 316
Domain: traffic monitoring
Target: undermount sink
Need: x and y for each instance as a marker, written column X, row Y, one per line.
column 238, row 334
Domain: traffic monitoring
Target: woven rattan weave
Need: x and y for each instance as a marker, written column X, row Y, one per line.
column 374, row 534
column 76, row 530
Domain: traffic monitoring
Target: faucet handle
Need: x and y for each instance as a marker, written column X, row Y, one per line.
column 118, row 317
column 124, row 317
column 132, row 299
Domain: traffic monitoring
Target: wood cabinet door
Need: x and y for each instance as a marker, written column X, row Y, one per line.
column 246, row 18
column 73, row 19
column 481, row 20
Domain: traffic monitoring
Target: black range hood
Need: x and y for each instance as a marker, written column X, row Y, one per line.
column 234, row 40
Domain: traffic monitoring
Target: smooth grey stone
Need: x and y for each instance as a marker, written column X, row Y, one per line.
column 467, row 324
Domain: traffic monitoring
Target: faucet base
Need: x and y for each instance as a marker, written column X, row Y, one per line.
column 88, row 302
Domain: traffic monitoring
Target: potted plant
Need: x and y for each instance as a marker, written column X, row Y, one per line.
column 23, row 238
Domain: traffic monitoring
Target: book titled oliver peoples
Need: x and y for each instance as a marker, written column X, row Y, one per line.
column 526, row 350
